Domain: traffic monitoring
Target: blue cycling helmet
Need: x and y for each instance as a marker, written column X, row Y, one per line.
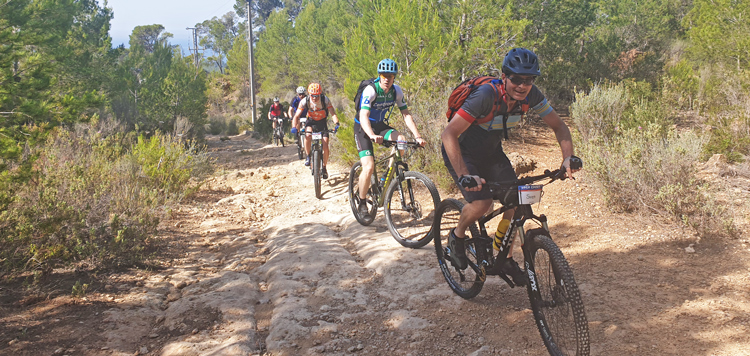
column 387, row 66
column 521, row 61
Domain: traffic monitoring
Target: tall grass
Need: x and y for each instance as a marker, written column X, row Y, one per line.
column 94, row 195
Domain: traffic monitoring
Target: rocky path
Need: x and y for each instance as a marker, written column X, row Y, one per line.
column 256, row 265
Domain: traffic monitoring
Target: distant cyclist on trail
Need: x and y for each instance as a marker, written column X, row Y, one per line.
column 472, row 145
column 293, row 109
column 295, row 103
column 276, row 111
column 318, row 108
column 371, row 123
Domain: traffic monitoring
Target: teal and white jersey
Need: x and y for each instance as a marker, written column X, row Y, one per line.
column 379, row 103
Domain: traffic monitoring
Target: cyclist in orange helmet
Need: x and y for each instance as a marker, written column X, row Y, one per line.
column 318, row 108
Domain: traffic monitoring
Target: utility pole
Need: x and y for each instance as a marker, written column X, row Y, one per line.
column 250, row 57
column 194, row 50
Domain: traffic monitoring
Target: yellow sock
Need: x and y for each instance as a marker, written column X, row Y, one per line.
column 502, row 227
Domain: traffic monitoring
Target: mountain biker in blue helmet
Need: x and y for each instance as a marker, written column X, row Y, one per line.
column 472, row 146
column 293, row 109
column 371, row 122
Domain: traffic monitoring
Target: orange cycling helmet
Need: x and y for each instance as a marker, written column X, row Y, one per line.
column 314, row 89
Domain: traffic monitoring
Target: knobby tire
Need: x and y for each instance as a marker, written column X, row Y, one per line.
column 555, row 299
column 411, row 226
column 465, row 283
column 372, row 196
column 316, row 162
column 300, row 150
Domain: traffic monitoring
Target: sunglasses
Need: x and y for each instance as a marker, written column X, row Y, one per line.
column 315, row 96
column 518, row 80
column 388, row 76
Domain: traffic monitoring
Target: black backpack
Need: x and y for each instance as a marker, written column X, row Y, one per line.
column 358, row 97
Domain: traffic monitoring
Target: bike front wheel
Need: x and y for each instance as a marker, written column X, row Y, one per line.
column 300, row 150
column 555, row 298
column 317, row 161
column 468, row 282
column 354, row 200
column 409, row 208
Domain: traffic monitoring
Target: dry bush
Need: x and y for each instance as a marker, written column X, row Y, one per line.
column 95, row 197
column 648, row 168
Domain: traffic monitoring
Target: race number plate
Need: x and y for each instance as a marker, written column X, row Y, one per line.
column 529, row 194
column 317, row 135
column 401, row 145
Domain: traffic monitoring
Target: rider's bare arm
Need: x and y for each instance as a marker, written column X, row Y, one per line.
column 332, row 112
column 562, row 133
column 364, row 121
column 295, row 120
column 455, row 128
column 409, row 120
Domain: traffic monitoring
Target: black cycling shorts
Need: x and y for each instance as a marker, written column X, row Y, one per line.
column 496, row 169
column 364, row 144
column 318, row 126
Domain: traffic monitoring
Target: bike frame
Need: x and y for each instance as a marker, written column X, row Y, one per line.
column 396, row 169
column 523, row 213
column 315, row 144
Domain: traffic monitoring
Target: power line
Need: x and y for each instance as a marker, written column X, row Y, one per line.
column 195, row 48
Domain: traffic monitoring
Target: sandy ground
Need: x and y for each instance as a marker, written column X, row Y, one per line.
column 254, row 264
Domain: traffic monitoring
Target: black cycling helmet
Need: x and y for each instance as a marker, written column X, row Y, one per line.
column 521, row 61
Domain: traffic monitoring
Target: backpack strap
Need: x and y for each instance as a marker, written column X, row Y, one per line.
column 524, row 109
column 322, row 102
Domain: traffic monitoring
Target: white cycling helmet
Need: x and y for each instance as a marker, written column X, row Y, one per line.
column 300, row 90
column 276, row 99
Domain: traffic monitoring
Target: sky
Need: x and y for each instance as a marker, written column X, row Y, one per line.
column 174, row 15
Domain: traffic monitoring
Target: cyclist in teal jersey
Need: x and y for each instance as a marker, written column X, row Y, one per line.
column 371, row 123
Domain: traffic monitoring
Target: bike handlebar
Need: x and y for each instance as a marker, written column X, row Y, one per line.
column 390, row 142
column 557, row 174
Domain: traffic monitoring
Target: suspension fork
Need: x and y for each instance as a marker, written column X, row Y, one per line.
column 402, row 167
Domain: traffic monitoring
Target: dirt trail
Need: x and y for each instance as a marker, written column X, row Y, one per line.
column 258, row 266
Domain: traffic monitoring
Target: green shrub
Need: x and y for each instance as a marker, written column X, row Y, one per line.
column 730, row 137
column 216, row 125
column 681, row 85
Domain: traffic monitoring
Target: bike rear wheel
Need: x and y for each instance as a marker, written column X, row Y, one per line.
column 409, row 208
column 317, row 161
column 466, row 283
column 555, row 298
column 372, row 196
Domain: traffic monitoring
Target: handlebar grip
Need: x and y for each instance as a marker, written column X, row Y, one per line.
column 575, row 162
column 467, row 182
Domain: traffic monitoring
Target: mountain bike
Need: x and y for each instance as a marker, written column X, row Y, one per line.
column 409, row 213
column 278, row 132
column 555, row 299
column 316, row 159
